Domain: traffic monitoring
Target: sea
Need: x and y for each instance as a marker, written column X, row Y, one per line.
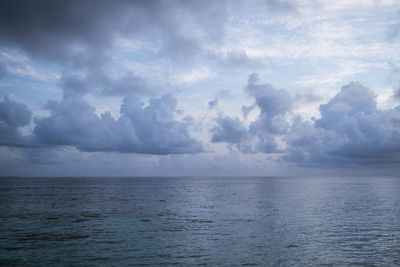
column 200, row 221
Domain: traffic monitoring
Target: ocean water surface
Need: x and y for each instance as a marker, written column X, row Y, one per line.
column 260, row 221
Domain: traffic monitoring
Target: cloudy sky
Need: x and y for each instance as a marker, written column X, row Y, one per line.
column 141, row 88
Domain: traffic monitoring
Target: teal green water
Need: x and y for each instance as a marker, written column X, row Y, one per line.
column 200, row 221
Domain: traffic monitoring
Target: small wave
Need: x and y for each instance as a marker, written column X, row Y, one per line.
column 52, row 237
column 200, row 221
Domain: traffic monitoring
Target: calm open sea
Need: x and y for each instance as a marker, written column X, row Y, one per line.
column 200, row 221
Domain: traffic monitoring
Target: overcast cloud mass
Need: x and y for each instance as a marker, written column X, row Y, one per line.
column 132, row 88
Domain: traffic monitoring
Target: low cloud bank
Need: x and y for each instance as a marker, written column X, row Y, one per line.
column 151, row 129
column 351, row 129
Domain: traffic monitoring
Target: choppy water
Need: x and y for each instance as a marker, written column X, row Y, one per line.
column 200, row 221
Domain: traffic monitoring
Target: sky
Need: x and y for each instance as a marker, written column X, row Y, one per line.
column 199, row 88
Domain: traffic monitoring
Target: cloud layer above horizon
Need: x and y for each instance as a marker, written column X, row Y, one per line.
column 199, row 87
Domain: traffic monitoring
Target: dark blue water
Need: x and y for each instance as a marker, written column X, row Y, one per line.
column 200, row 221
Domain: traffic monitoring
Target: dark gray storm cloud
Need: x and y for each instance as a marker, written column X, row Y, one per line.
column 351, row 131
column 50, row 29
column 353, row 99
column 151, row 129
column 233, row 132
column 56, row 29
column 73, row 122
column 13, row 115
column 273, row 104
column 157, row 128
column 82, row 33
column 229, row 130
column 80, row 36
